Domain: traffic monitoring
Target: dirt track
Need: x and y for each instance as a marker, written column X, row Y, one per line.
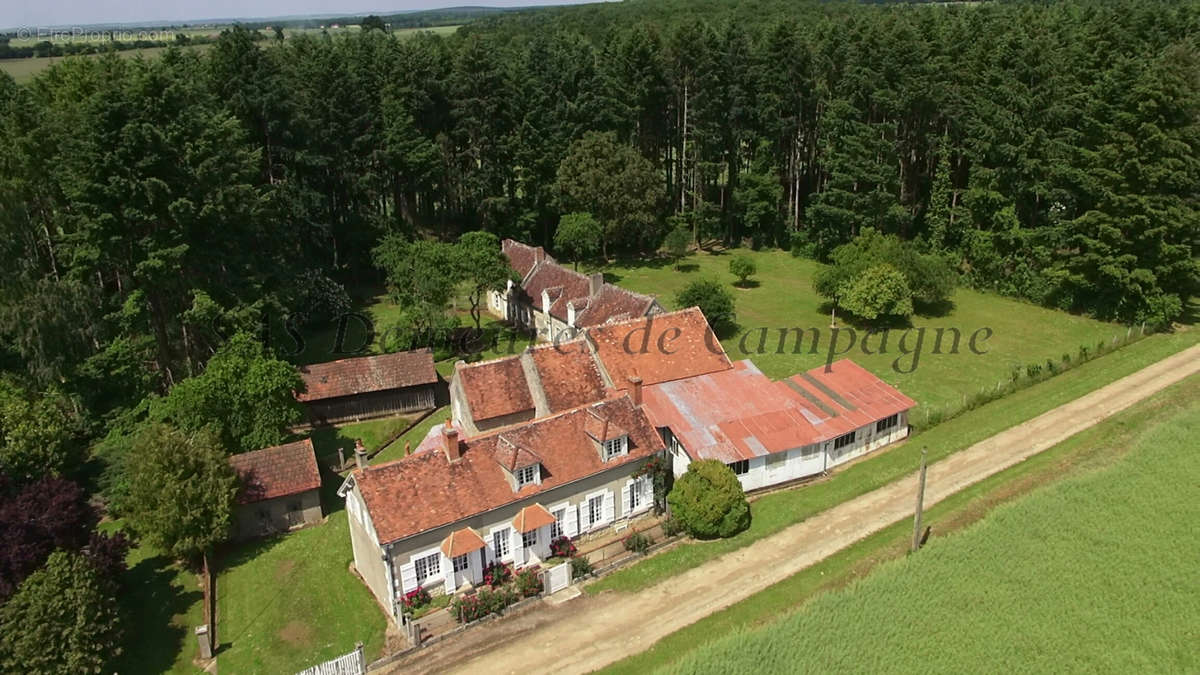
column 593, row 631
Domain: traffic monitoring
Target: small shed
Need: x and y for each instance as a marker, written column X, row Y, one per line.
column 369, row 386
column 280, row 489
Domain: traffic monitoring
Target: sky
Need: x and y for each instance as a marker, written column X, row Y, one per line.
column 44, row 13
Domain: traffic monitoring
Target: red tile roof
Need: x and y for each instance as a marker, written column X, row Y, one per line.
column 568, row 374
column 739, row 413
column 522, row 257
column 276, row 472
column 462, row 542
column 511, row 455
column 532, row 517
column 561, row 284
column 613, row 303
column 495, row 388
column 366, row 374
column 425, row 490
column 658, row 348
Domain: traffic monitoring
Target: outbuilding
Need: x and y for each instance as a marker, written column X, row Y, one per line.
column 280, row 490
column 369, row 386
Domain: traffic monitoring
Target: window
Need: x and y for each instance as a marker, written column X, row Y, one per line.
column 637, row 493
column 460, row 563
column 595, row 510
column 741, row 468
column 843, row 441
column 810, row 450
column 615, row 447
column 527, row 475
column 529, row 539
column 500, row 542
column 887, row 423
column 776, row 458
column 427, row 566
column 556, row 530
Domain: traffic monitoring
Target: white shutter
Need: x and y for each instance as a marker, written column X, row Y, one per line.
column 474, row 567
column 490, row 548
column 647, row 492
column 571, row 521
column 608, row 507
column 448, row 570
column 518, row 549
column 408, row 578
column 625, row 490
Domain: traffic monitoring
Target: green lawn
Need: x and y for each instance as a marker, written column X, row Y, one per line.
column 1094, row 448
column 327, row 440
column 774, row 512
column 413, row 436
column 289, row 602
column 783, row 298
column 162, row 605
column 1095, row 573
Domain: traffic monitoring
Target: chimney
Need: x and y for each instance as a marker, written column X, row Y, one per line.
column 635, row 389
column 539, row 254
column 360, row 453
column 595, row 283
column 571, row 314
column 450, row 436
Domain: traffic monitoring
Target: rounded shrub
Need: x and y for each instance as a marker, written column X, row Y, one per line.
column 709, row 502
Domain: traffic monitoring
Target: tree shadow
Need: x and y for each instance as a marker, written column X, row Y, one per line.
column 151, row 599
column 933, row 309
column 747, row 284
column 1191, row 312
column 858, row 323
column 235, row 554
column 687, row 267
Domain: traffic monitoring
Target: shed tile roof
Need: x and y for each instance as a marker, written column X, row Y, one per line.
column 739, row 414
column 523, row 257
column 613, row 303
column 532, row 517
column 562, row 285
column 366, row 374
column 512, row 455
column 425, row 490
column 568, row 375
column 495, row 388
column 276, row 472
column 658, row 348
column 461, row 542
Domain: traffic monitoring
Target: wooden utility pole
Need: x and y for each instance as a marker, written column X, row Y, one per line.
column 916, row 540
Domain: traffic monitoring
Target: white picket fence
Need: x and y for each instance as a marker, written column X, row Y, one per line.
column 352, row 663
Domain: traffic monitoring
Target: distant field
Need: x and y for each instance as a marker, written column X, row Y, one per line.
column 1093, row 574
column 23, row 70
column 784, row 298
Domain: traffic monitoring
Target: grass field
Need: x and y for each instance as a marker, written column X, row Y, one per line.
column 1092, row 574
column 289, row 602
column 162, row 604
column 773, row 512
column 1095, row 448
column 23, row 70
column 783, row 298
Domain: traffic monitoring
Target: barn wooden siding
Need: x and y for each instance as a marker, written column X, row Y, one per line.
column 375, row 404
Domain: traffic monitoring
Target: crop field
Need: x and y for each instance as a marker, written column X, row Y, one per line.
column 1095, row 573
column 783, row 298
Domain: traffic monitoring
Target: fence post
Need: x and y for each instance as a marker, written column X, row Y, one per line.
column 916, row 540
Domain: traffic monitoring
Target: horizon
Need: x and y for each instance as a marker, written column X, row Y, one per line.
column 66, row 14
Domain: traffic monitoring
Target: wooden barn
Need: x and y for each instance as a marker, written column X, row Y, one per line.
column 369, row 386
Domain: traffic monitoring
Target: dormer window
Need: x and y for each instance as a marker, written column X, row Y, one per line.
column 616, row 447
column 527, row 475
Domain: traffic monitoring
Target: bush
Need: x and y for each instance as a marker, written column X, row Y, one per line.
column 416, row 599
column 497, row 573
column 714, row 301
column 580, row 567
column 529, row 583
column 742, row 267
column 672, row 527
column 638, row 543
column 563, row 547
column 709, row 502
column 468, row 608
column 802, row 246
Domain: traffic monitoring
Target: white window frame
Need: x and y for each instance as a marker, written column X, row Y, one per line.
column 502, row 542
column 528, row 475
column 558, row 528
column 432, row 564
column 733, row 466
column 587, row 505
column 529, row 539
column 889, row 422
column 637, row 495
column 616, row 447
column 461, row 563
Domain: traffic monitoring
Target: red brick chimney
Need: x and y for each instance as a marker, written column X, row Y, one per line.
column 360, row 453
column 635, row 389
column 595, row 283
column 450, row 436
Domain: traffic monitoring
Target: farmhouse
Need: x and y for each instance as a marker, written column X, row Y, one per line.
column 556, row 302
column 280, row 489
column 438, row 517
column 369, row 386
